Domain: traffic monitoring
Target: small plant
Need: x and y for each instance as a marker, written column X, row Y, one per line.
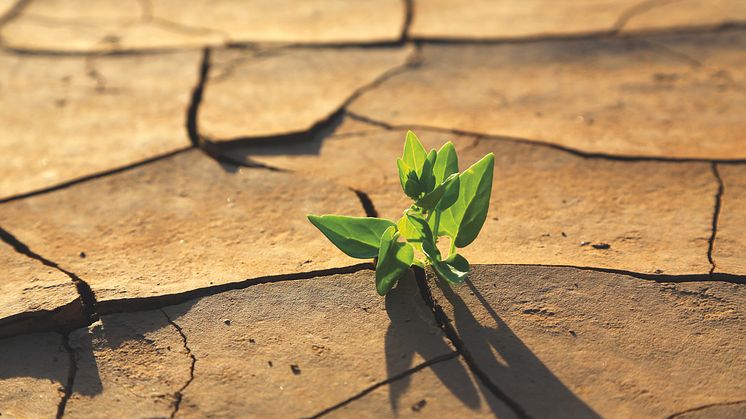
column 447, row 205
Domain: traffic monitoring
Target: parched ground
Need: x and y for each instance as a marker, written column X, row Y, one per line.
column 159, row 158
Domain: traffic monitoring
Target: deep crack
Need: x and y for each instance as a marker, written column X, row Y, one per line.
column 193, row 109
column 492, row 137
column 71, row 374
column 128, row 305
column 715, row 216
column 93, row 176
column 87, row 298
column 408, row 15
column 636, row 10
column 444, row 323
column 178, row 396
column 426, row 364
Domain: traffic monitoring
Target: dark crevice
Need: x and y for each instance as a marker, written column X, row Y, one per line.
column 707, row 406
column 715, row 217
column 13, row 12
column 72, row 371
column 579, row 153
column 636, row 10
column 661, row 278
column 193, row 109
column 127, row 305
column 445, row 325
column 367, row 203
column 87, row 298
column 426, row 364
column 578, row 36
column 420, row 40
column 94, row 176
column 408, row 15
column 324, row 127
column 178, row 396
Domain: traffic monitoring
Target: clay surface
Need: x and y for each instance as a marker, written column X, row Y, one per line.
column 285, row 91
column 62, row 118
column 182, row 223
column 664, row 97
column 589, row 343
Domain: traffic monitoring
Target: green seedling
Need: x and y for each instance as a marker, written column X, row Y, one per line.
column 446, row 205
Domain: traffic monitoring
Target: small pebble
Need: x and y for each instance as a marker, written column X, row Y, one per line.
column 269, row 363
column 572, row 332
column 295, row 369
column 419, row 405
column 585, row 243
column 227, row 321
column 602, row 246
column 82, row 255
column 251, row 340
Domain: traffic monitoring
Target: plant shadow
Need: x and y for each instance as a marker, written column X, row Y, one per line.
column 510, row 364
column 412, row 331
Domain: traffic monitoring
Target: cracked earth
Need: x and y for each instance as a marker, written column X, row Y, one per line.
column 159, row 158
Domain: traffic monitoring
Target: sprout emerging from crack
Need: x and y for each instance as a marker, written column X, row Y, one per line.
column 447, row 204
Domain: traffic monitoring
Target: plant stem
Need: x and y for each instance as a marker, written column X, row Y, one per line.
column 437, row 224
column 453, row 248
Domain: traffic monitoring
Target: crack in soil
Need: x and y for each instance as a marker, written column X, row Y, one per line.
column 128, row 305
column 707, row 406
column 13, row 12
column 636, row 10
column 93, row 176
column 193, row 109
column 71, row 374
column 442, row 320
column 178, row 396
column 408, row 15
column 87, row 298
column 426, row 364
column 715, row 216
column 491, row 137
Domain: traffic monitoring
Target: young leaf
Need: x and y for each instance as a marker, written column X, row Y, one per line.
column 446, row 164
column 394, row 259
column 450, row 194
column 435, row 198
column 424, row 233
column 464, row 219
column 358, row 237
column 414, row 153
column 404, row 170
column 453, row 270
column 427, row 178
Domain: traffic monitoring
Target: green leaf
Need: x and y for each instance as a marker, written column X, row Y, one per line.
column 450, row 193
column 446, row 164
column 394, row 259
column 434, row 198
column 358, row 237
column 404, row 170
column 464, row 219
column 427, row 178
column 453, row 270
column 424, row 233
column 414, row 153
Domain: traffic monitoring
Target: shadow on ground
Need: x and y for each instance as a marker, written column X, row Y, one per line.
column 510, row 364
